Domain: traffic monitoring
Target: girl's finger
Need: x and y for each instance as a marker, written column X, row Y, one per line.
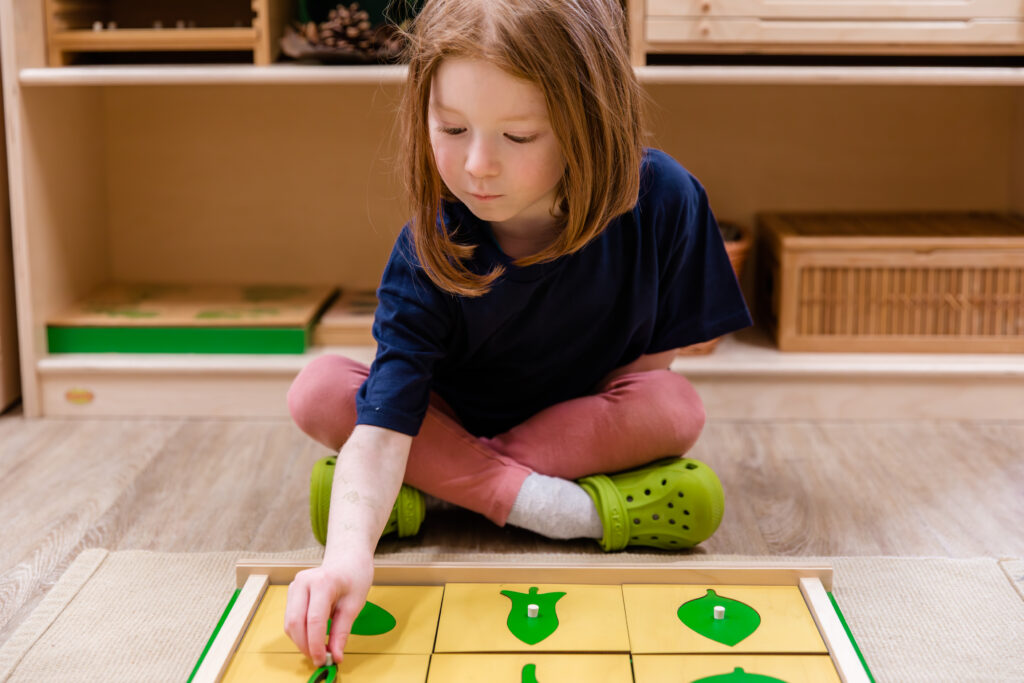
column 295, row 614
column 320, row 605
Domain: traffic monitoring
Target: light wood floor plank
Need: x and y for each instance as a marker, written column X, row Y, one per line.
column 792, row 488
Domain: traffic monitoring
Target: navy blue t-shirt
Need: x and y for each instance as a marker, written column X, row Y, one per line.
column 657, row 278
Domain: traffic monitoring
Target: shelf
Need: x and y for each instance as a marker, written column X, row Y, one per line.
column 298, row 74
column 744, row 378
column 149, row 40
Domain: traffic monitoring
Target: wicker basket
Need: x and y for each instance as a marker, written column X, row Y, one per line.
column 737, row 250
column 925, row 282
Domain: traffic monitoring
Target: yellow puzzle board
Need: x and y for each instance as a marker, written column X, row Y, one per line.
column 459, row 630
column 474, row 619
column 280, row 667
column 508, row 668
column 415, row 609
column 786, row 623
column 789, row 668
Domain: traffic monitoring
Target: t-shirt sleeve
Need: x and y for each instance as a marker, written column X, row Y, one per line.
column 699, row 297
column 412, row 325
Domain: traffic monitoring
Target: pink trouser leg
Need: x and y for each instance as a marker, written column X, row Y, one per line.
column 634, row 419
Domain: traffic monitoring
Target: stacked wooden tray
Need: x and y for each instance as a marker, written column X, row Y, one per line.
column 161, row 318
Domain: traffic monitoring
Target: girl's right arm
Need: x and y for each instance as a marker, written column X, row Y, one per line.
column 367, row 477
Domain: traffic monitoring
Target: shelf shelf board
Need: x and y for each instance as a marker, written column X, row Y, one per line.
column 147, row 40
column 747, row 353
column 744, row 378
column 302, row 74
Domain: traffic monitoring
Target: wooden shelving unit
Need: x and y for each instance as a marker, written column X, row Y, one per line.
column 76, row 28
column 284, row 174
column 9, row 380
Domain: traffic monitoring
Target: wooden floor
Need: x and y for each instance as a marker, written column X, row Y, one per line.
column 795, row 488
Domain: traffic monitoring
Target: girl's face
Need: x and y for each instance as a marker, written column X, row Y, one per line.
column 494, row 146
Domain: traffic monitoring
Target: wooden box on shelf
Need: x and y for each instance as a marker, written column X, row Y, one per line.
column 930, row 282
column 826, row 27
column 74, row 27
column 348, row 321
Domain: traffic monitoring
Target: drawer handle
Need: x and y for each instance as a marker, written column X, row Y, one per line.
column 705, row 6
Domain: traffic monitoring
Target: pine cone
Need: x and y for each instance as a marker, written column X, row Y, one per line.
column 348, row 30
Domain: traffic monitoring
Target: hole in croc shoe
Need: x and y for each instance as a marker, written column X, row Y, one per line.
column 690, row 466
column 671, row 505
column 672, row 542
column 671, row 521
column 636, row 520
column 686, row 527
column 654, row 516
column 636, row 538
column 654, row 538
column 664, row 482
column 647, row 492
column 680, row 494
column 686, row 512
column 629, row 499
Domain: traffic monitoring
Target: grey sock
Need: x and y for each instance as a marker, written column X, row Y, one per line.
column 556, row 508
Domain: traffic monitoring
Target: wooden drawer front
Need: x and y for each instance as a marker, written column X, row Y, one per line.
column 752, row 31
column 839, row 9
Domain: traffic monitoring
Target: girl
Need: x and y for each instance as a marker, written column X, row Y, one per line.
column 528, row 313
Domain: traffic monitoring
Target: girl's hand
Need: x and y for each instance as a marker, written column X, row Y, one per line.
column 336, row 591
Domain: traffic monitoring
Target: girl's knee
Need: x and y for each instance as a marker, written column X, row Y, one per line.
column 321, row 399
column 682, row 406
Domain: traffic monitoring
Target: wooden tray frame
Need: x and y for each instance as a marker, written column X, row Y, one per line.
column 254, row 576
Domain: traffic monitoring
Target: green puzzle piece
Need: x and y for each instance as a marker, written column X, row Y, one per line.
column 738, row 675
column 325, row 674
column 373, row 620
column 532, row 630
column 740, row 618
column 529, row 673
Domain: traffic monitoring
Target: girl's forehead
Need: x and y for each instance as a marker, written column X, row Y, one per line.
column 466, row 85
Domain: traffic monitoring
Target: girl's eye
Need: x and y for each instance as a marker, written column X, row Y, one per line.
column 520, row 139
column 451, row 131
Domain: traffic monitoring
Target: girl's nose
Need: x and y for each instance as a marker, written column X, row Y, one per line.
column 481, row 160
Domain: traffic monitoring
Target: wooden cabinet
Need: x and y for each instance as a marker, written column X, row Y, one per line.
column 832, row 27
column 9, row 384
column 284, row 174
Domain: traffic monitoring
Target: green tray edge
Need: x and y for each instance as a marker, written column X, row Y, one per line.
column 849, row 634
column 216, row 630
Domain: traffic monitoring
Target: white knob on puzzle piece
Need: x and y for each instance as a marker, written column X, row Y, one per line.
column 532, row 610
column 330, row 659
column 719, row 612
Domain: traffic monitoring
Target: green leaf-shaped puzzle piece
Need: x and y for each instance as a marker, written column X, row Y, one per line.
column 373, row 620
column 529, row 673
column 325, row 674
column 738, row 675
column 740, row 618
column 532, row 630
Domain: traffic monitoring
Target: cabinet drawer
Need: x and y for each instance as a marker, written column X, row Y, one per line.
column 839, row 9
column 694, row 31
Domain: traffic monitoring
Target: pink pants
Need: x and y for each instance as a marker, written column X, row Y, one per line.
column 630, row 421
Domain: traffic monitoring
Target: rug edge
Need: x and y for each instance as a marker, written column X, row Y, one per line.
column 56, row 600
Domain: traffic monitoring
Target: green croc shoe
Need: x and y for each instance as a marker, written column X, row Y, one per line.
column 405, row 519
column 673, row 503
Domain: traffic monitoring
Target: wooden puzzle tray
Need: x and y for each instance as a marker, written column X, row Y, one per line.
column 444, row 622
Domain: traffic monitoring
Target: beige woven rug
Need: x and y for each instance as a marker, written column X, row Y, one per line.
column 145, row 616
